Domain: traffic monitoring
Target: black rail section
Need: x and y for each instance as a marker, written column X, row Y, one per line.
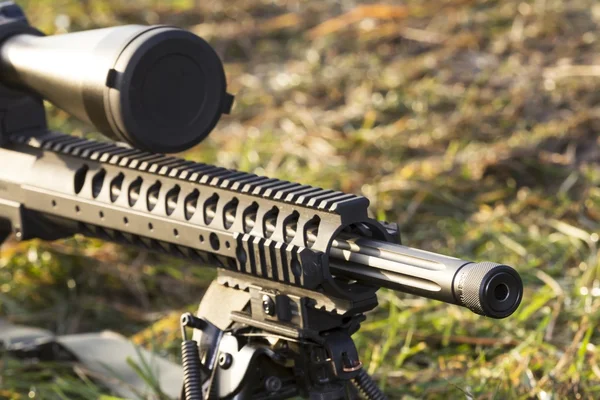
column 123, row 156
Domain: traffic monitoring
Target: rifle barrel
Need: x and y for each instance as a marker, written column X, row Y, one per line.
column 486, row 288
column 490, row 289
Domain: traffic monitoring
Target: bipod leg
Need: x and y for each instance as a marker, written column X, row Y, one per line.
column 199, row 371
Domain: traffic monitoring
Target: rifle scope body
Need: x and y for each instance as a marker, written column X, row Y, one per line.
column 163, row 89
column 157, row 88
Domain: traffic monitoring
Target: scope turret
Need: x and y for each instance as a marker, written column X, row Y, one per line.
column 158, row 88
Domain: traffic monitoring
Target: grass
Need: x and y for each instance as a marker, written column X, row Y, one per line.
column 474, row 124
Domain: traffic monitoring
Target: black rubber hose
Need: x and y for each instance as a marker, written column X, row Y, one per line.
column 367, row 387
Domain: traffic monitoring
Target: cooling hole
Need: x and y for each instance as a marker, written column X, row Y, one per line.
column 115, row 187
column 152, row 198
column 80, row 178
column 229, row 212
column 98, row 182
column 172, row 199
column 270, row 222
column 250, row 217
column 290, row 226
column 210, row 208
column 311, row 231
column 214, row 241
column 134, row 191
column 191, row 204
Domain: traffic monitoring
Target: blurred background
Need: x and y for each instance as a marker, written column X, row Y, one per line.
column 473, row 124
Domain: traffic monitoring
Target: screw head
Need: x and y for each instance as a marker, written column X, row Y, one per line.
column 273, row 384
column 225, row 360
column 268, row 305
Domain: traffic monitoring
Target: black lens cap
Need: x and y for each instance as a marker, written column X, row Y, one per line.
column 167, row 90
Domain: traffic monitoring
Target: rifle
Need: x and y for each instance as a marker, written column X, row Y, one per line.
column 298, row 266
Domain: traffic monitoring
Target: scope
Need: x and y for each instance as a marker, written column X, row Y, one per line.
column 159, row 88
